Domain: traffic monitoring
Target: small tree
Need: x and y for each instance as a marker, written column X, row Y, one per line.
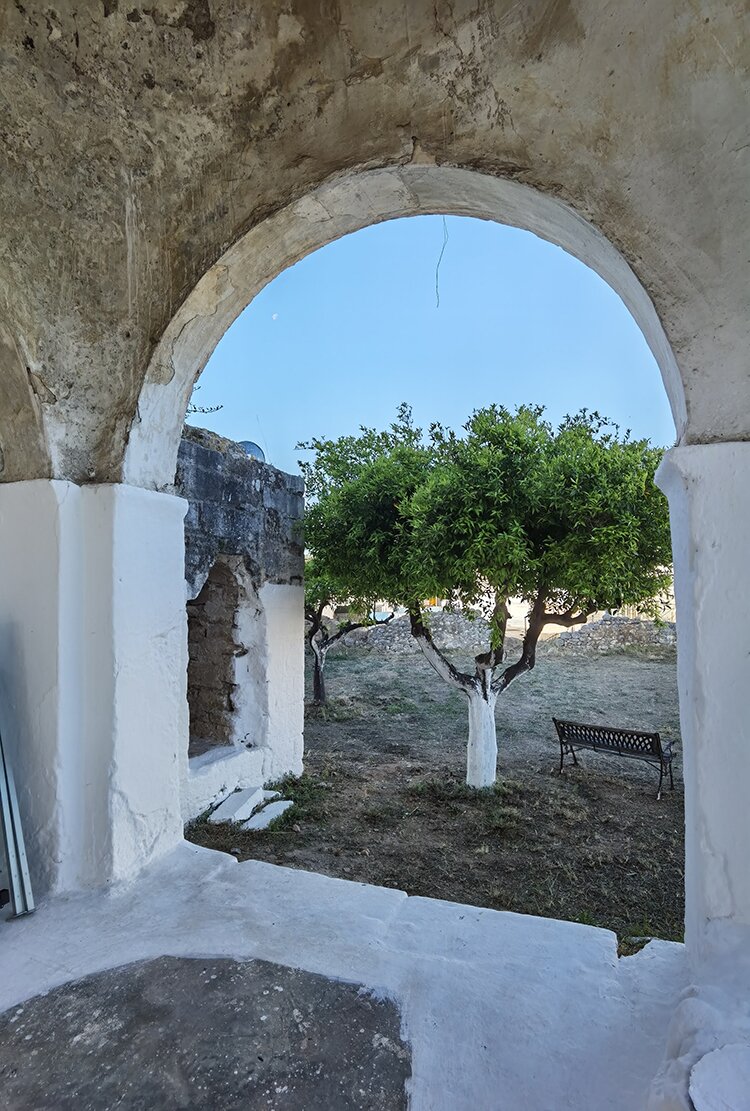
column 568, row 519
column 322, row 593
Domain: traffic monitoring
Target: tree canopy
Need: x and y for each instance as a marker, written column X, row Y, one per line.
column 567, row 518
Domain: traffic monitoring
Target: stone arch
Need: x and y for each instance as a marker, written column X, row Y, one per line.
column 343, row 205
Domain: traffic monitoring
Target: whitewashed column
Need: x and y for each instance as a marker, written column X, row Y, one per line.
column 708, row 488
column 93, row 675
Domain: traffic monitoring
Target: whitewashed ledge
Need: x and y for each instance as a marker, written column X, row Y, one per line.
column 502, row 1010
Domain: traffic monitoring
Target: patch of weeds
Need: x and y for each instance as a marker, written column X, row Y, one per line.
column 571, row 810
column 195, row 825
column 629, row 946
column 499, row 818
column 399, row 706
column 442, row 790
column 309, row 796
column 586, row 918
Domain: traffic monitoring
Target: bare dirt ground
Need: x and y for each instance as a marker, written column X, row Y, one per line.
column 383, row 799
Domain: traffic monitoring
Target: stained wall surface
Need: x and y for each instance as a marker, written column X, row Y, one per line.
column 238, row 506
column 141, row 142
column 244, row 563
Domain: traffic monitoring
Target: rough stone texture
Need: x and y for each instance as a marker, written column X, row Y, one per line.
column 143, row 141
column 456, row 633
column 243, row 566
column 211, row 655
column 239, row 507
column 616, row 634
column 195, row 1034
column 452, row 632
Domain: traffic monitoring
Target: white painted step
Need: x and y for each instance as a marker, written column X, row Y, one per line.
column 238, row 806
column 264, row 817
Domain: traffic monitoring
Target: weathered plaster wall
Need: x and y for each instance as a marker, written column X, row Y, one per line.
column 284, row 608
column 92, row 667
column 708, row 488
column 243, row 566
column 142, row 142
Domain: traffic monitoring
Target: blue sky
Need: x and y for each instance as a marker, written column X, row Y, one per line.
column 345, row 335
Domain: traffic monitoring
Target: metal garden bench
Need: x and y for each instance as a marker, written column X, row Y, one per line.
column 631, row 743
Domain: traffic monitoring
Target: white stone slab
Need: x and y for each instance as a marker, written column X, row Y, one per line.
column 269, row 796
column 264, row 817
column 720, row 1081
column 214, row 775
column 238, row 806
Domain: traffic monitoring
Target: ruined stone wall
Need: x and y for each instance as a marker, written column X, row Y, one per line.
column 211, row 655
column 614, row 633
column 238, row 506
column 242, row 547
column 455, row 633
column 452, row 632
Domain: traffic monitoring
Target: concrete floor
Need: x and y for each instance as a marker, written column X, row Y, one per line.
column 189, row 1033
column 500, row 1011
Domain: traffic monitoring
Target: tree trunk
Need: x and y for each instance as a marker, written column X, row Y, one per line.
column 319, row 683
column 481, row 754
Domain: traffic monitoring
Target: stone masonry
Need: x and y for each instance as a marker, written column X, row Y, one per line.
column 242, row 531
column 212, row 648
column 456, row 633
column 238, row 506
column 614, row 633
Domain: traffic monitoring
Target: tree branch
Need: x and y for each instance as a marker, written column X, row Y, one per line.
column 527, row 658
column 350, row 626
column 569, row 618
column 315, row 617
column 435, row 657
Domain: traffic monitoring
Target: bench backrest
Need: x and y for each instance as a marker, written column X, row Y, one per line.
column 631, row 741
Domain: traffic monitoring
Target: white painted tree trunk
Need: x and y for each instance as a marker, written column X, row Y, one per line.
column 481, row 754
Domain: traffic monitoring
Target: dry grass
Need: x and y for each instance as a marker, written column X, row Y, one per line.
column 383, row 800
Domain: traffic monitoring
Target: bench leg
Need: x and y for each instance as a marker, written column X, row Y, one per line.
column 671, row 778
column 661, row 779
column 566, row 750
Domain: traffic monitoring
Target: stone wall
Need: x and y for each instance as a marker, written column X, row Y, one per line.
column 211, row 653
column 243, row 570
column 238, row 506
column 455, row 633
column 452, row 632
column 616, row 634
